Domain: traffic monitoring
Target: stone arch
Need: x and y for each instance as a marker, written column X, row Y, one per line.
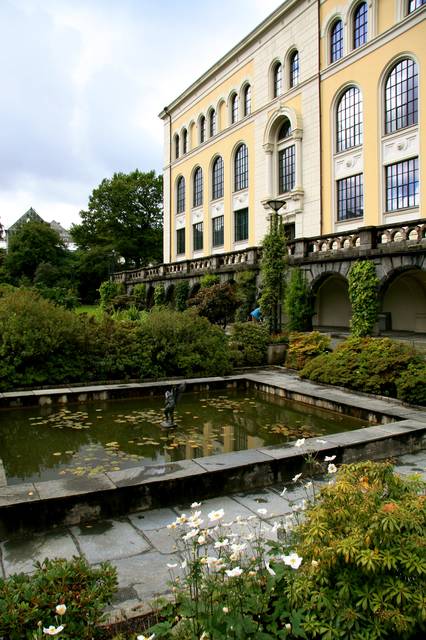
column 331, row 301
column 276, row 119
column 169, row 295
column 402, row 295
column 150, row 296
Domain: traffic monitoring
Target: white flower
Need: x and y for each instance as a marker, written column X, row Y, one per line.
column 275, row 526
column 234, row 573
column 300, row 442
column 53, row 631
column 225, row 609
column 183, row 564
column 301, row 506
column 262, row 511
column 201, row 539
column 190, row 534
column 283, row 491
column 314, row 563
column 215, row 564
column 238, row 548
column 172, row 566
column 293, row 560
column 269, row 570
column 151, row 637
column 216, row 515
column 296, row 477
column 195, row 505
column 60, row 609
column 204, row 636
column 288, row 626
column 329, row 458
column 331, row 468
column 221, row 543
column 172, row 525
column 181, row 519
column 308, row 485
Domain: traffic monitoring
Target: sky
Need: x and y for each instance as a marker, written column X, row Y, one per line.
column 83, row 82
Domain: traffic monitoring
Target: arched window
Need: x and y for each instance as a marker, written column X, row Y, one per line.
column 336, row 41
column 176, row 146
column 278, row 79
column 212, row 123
column 180, row 195
column 286, row 158
column 217, row 179
column 247, row 100
column 284, row 130
column 241, row 168
column 184, row 141
column 349, row 119
column 234, row 108
column 202, row 125
column 415, row 4
column 294, row 69
column 360, row 25
column 401, row 96
column 198, row 188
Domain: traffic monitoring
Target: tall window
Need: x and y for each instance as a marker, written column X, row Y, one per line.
column 349, row 119
column 181, row 195
column 286, row 169
column 350, row 198
column 247, row 100
column 198, row 187
column 336, row 41
column 202, row 129
column 278, row 79
column 197, row 235
column 180, row 241
column 212, row 128
column 234, row 108
column 217, row 179
column 402, row 185
column 401, row 96
column 184, row 141
column 360, row 28
column 241, row 168
column 176, row 147
column 294, row 69
column 218, row 225
column 415, row 4
column 241, row 225
column 285, row 130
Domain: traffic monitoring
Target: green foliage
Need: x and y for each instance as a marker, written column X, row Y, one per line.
column 64, row 297
column 25, row 600
column 248, row 343
column 298, row 302
column 363, row 283
column 411, row 385
column 303, row 347
column 279, row 338
column 246, row 292
column 93, row 266
column 181, row 295
column 217, row 303
column 372, row 365
column 273, row 268
column 208, row 280
column 365, row 536
column 108, row 291
column 159, row 295
column 124, row 215
column 139, row 292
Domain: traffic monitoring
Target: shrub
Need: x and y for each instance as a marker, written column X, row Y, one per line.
column 181, row 295
column 25, row 600
column 372, row 365
column 304, row 347
column 411, row 385
column 273, row 269
column 364, row 569
column 298, row 303
column 109, row 290
column 139, row 293
column 159, row 295
column 279, row 338
column 208, row 280
column 246, row 292
column 248, row 343
column 363, row 283
column 217, row 303
column 64, row 297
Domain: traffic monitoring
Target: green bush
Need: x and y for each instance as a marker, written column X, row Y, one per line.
column 181, row 295
column 64, row 297
column 208, row 280
column 411, row 385
column 273, row 269
column 246, row 292
column 372, row 365
column 109, row 290
column 139, row 293
column 217, row 303
column 159, row 295
column 279, row 338
column 25, row 600
column 363, row 548
column 298, row 303
column 363, row 283
column 248, row 343
column 303, row 347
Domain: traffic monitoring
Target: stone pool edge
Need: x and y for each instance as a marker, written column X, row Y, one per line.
column 70, row 501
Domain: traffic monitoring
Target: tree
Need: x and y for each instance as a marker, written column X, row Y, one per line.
column 217, row 303
column 298, row 302
column 124, row 217
column 273, row 269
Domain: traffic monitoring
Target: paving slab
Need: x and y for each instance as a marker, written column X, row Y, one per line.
column 19, row 554
column 154, row 473
column 73, row 486
column 152, row 520
column 162, row 540
column 274, row 504
column 17, row 493
column 230, row 460
column 147, row 574
column 109, row 540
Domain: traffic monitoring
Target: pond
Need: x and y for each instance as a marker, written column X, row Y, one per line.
column 84, row 440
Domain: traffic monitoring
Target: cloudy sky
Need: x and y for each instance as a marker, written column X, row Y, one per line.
column 83, row 82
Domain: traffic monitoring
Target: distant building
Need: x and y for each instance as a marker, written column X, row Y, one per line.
column 32, row 216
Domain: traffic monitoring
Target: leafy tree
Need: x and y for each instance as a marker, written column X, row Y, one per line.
column 273, row 268
column 217, row 303
column 298, row 302
column 93, row 266
column 363, row 283
column 124, row 216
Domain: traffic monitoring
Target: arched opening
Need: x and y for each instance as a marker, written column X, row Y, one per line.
column 150, row 296
column 332, row 306
column 170, row 294
column 403, row 297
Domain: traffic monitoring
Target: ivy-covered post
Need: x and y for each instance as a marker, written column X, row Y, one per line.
column 273, row 269
column 363, row 284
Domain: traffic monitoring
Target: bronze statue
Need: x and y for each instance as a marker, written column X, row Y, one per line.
column 171, row 399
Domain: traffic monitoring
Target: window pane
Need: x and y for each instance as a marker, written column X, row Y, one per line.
column 401, row 96
column 360, row 25
column 180, row 241
column 181, row 195
column 349, row 119
column 286, row 169
column 197, row 230
column 198, row 188
column 285, row 130
column 212, row 122
column 176, row 147
column 217, row 179
column 336, row 41
column 247, row 100
column 278, row 80
column 294, row 69
column 185, row 141
column 415, row 4
column 241, row 225
column 234, row 109
column 402, row 185
column 241, row 168
column 350, row 198
column 218, row 231
column 202, row 129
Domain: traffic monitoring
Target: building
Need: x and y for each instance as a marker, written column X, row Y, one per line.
column 32, row 216
column 322, row 106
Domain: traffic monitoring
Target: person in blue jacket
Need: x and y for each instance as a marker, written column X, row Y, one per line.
column 256, row 315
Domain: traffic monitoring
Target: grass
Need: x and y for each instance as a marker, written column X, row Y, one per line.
column 91, row 309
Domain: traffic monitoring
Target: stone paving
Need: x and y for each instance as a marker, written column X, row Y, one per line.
column 140, row 545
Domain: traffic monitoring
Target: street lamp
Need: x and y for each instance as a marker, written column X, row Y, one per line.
column 276, row 222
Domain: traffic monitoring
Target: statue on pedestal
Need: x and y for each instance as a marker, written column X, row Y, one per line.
column 172, row 397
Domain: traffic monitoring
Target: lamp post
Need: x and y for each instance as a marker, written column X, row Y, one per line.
column 276, row 222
